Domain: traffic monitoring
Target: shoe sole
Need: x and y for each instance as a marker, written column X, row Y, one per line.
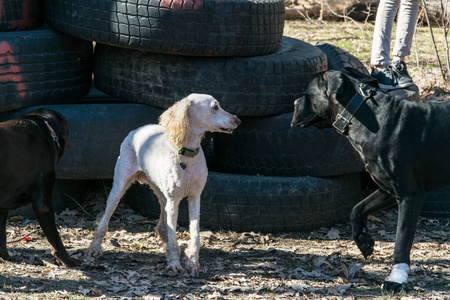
column 391, row 87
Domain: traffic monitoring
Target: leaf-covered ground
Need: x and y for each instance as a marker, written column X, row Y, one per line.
column 323, row 264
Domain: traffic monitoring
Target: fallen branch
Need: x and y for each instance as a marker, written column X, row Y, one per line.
column 73, row 199
column 20, row 239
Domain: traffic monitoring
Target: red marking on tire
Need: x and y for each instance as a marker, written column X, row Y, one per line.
column 12, row 71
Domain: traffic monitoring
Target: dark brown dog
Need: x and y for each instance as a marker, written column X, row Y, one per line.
column 403, row 144
column 30, row 148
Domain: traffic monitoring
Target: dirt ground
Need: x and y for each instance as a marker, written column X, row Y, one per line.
column 323, row 264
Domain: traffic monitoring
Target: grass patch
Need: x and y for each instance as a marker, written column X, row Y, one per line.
column 356, row 38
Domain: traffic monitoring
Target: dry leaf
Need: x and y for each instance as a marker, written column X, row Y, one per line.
column 333, row 234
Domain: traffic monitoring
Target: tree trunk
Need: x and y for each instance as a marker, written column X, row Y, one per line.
column 436, row 10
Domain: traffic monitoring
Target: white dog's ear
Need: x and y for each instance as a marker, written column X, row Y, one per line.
column 175, row 121
column 334, row 82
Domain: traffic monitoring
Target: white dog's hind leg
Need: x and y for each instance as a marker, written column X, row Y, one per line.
column 192, row 252
column 161, row 227
column 124, row 176
column 172, row 247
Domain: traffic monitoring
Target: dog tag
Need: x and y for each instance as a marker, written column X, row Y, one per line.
column 183, row 165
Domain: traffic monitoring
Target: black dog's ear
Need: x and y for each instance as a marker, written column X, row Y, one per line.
column 362, row 77
column 334, row 82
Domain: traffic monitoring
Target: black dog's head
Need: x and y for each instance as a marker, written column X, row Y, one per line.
column 326, row 95
column 318, row 107
column 58, row 123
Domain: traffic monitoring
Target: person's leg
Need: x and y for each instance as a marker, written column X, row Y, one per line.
column 384, row 21
column 406, row 25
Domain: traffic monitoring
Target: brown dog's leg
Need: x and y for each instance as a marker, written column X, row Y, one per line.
column 358, row 219
column 46, row 217
column 3, row 251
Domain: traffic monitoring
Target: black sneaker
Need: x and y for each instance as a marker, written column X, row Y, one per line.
column 394, row 76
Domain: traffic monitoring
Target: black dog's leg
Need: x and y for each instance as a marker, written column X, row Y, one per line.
column 374, row 202
column 3, row 251
column 409, row 208
column 45, row 215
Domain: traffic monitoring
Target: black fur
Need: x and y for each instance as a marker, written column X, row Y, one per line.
column 28, row 156
column 403, row 144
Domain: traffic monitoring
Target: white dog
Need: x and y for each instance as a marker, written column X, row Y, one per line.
column 170, row 159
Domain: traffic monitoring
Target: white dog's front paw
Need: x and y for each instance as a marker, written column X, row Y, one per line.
column 192, row 267
column 174, row 267
column 192, row 264
column 94, row 251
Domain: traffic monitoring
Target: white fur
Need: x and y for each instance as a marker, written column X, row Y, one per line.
column 399, row 273
column 148, row 155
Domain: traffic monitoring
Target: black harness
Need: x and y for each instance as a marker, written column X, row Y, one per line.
column 343, row 118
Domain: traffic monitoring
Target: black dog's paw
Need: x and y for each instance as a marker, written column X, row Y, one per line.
column 4, row 255
column 364, row 242
column 393, row 287
column 69, row 262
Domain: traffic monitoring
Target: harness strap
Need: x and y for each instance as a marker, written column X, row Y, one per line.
column 346, row 115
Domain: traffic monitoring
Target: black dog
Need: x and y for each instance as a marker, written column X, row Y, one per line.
column 30, row 148
column 404, row 145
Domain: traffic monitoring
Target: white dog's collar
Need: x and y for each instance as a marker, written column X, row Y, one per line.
column 185, row 152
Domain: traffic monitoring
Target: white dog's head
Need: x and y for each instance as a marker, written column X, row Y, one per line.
column 196, row 114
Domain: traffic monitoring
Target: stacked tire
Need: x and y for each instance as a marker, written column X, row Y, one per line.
column 43, row 67
column 40, row 66
column 148, row 54
column 265, row 177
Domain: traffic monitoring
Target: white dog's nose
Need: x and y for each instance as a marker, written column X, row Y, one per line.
column 237, row 121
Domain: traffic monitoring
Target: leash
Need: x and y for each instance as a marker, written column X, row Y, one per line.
column 185, row 152
column 346, row 115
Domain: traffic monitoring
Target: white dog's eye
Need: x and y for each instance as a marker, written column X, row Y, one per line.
column 216, row 106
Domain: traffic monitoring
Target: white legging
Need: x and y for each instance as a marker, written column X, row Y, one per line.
column 406, row 24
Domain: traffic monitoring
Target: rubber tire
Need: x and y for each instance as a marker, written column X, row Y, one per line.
column 270, row 147
column 437, row 204
column 339, row 59
column 64, row 194
column 96, row 133
column 200, row 28
column 43, row 67
column 21, row 14
column 249, row 86
column 245, row 203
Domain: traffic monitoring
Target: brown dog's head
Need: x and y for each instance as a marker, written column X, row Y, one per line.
column 58, row 123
